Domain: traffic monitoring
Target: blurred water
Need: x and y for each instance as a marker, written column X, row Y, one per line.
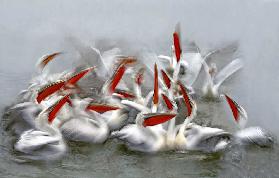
column 29, row 29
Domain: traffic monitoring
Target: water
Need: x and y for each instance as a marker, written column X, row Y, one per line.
column 31, row 28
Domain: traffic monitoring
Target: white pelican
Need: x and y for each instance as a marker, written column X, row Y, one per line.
column 62, row 85
column 111, row 94
column 147, row 135
column 45, row 142
column 21, row 117
column 199, row 138
column 214, row 80
column 105, row 60
column 90, row 128
column 175, row 62
column 79, row 123
column 250, row 135
column 183, row 66
column 44, row 60
column 194, row 137
column 142, row 136
column 42, row 79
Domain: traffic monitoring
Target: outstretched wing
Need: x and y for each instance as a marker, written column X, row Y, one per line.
column 227, row 71
column 165, row 60
column 108, row 58
column 149, row 59
column 33, row 140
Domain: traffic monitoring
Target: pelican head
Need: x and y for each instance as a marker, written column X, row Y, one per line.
column 212, row 69
column 206, row 139
column 183, row 68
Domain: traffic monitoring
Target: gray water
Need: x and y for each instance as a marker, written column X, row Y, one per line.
column 29, row 29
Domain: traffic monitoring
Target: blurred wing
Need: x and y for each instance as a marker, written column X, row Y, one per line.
column 109, row 56
column 34, row 140
column 134, row 105
column 194, row 63
column 227, row 71
column 254, row 136
column 131, row 134
column 102, row 69
column 221, row 55
column 165, row 60
column 149, row 60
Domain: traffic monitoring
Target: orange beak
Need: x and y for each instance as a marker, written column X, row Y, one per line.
column 74, row 79
column 47, row 59
column 128, row 60
column 139, row 77
column 156, row 86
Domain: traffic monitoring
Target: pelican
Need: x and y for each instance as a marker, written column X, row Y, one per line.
column 175, row 62
column 214, row 80
column 78, row 123
column 22, row 117
column 45, row 142
column 198, row 138
column 192, row 137
column 142, row 136
column 62, row 85
column 147, row 135
column 105, row 60
column 90, row 128
column 250, row 135
column 111, row 94
column 42, row 79
column 44, row 60
column 184, row 65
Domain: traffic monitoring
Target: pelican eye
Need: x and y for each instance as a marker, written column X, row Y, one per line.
column 182, row 70
column 188, row 128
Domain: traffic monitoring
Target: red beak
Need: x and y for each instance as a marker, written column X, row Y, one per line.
column 116, row 78
column 74, row 79
column 234, row 107
column 118, row 74
column 101, row 108
column 186, row 98
column 49, row 90
column 124, row 94
column 176, row 43
column 157, row 118
column 168, row 102
column 166, row 79
column 56, row 108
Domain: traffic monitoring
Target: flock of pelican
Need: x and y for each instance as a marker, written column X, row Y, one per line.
column 52, row 112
